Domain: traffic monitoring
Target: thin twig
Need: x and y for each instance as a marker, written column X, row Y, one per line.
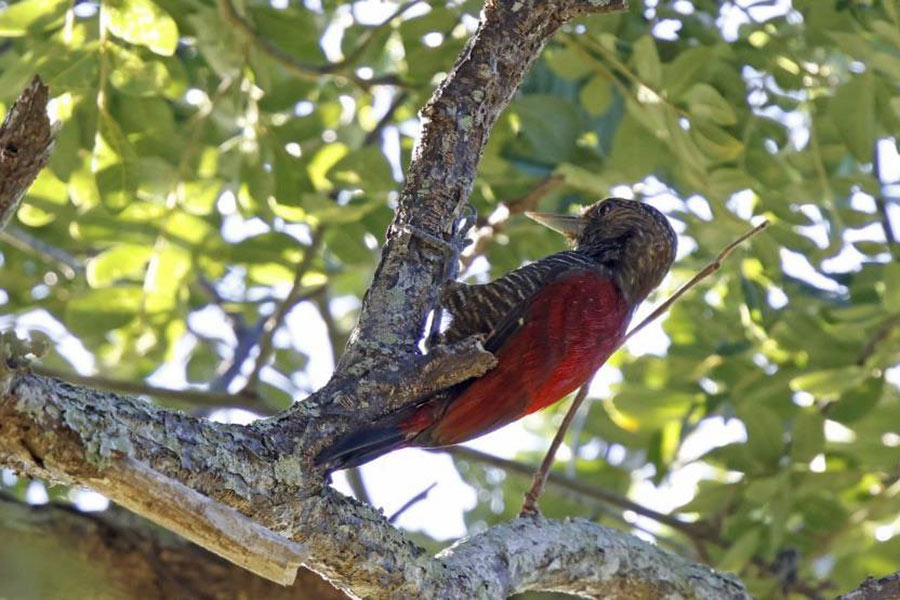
column 275, row 320
column 373, row 136
column 571, row 484
column 357, row 485
column 305, row 70
column 65, row 263
column 703, row 274
column 412, row 501
column 485, row 234
column 881, row 206
column 529, row 507
column 884, row 330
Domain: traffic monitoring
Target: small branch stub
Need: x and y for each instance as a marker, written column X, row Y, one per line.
column 26, row 139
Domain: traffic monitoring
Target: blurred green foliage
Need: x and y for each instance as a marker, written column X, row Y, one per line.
column 204, row 145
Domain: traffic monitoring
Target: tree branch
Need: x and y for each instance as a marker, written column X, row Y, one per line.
column 690, row 528
column 886, row 588
column 265, row 471
column 294, row 296
column 305, row 70
column 26, row 139
column 65, row 263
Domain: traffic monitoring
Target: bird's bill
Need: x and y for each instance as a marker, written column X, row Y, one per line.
column 570, row 226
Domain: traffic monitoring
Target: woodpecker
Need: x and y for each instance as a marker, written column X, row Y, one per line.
column 550, row 324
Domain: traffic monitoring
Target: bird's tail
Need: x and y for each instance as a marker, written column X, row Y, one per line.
column 360, row 447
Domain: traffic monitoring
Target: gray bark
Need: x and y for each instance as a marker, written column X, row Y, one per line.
column 253, row 493
column 886, row 588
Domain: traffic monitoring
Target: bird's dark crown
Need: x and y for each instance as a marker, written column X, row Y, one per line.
column 634, row 240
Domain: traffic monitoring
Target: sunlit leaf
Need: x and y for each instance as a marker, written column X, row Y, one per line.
column 705, row 102
column 31, row 16
column 144, row 23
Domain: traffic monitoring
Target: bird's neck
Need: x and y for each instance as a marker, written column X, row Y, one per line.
column 633, row 276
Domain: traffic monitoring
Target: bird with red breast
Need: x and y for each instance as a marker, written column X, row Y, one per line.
column 551, row 324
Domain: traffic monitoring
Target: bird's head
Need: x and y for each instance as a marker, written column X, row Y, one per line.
column 632, row 239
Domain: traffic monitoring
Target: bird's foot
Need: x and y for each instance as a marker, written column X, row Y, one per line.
column 529, row 510
column 458, row 240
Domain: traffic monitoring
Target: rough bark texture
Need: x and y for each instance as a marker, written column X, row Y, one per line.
column 130, row 557
column 236, row 489
column 886, row 588
column 25, row 143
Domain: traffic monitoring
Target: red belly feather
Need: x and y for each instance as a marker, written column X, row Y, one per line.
column 570, row 329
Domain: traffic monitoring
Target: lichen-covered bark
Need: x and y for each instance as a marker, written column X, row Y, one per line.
column 886, row 588
column 253, row 493
column 579, row 557
column 25, row 143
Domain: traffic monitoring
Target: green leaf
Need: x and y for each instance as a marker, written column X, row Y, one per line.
column 44, row 200
column 143, row 23
column 291, row 30
column 96, row 312
column 715, row 142
column 169, row 267
column 830, row 382
column 137, row 76
column 202, row 365
column 550, row 126
column 727, row 181
column 124, row 261
column 740, row 551
column 346, row 242
column 765, row 433
column 83, row 188
column 32, row 16
column 808, row 436
column 115, row 164
column 569, row 62
column 688, row 66
column 822, row 512
column 187, row 228
column 646, row 61
column 327, row 210
column 892, row 287
column 199, row 197
column 217, row 42
column 271, row 247
column 321, row 163
column 366, row 168
column 856, row 402
column 596, row 95
column 635, row 151
column 852, row 111
column 705, row 102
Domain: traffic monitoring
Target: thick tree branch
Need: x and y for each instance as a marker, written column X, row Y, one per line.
column 534, row 553
column 886, row 588
column 265, row 471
